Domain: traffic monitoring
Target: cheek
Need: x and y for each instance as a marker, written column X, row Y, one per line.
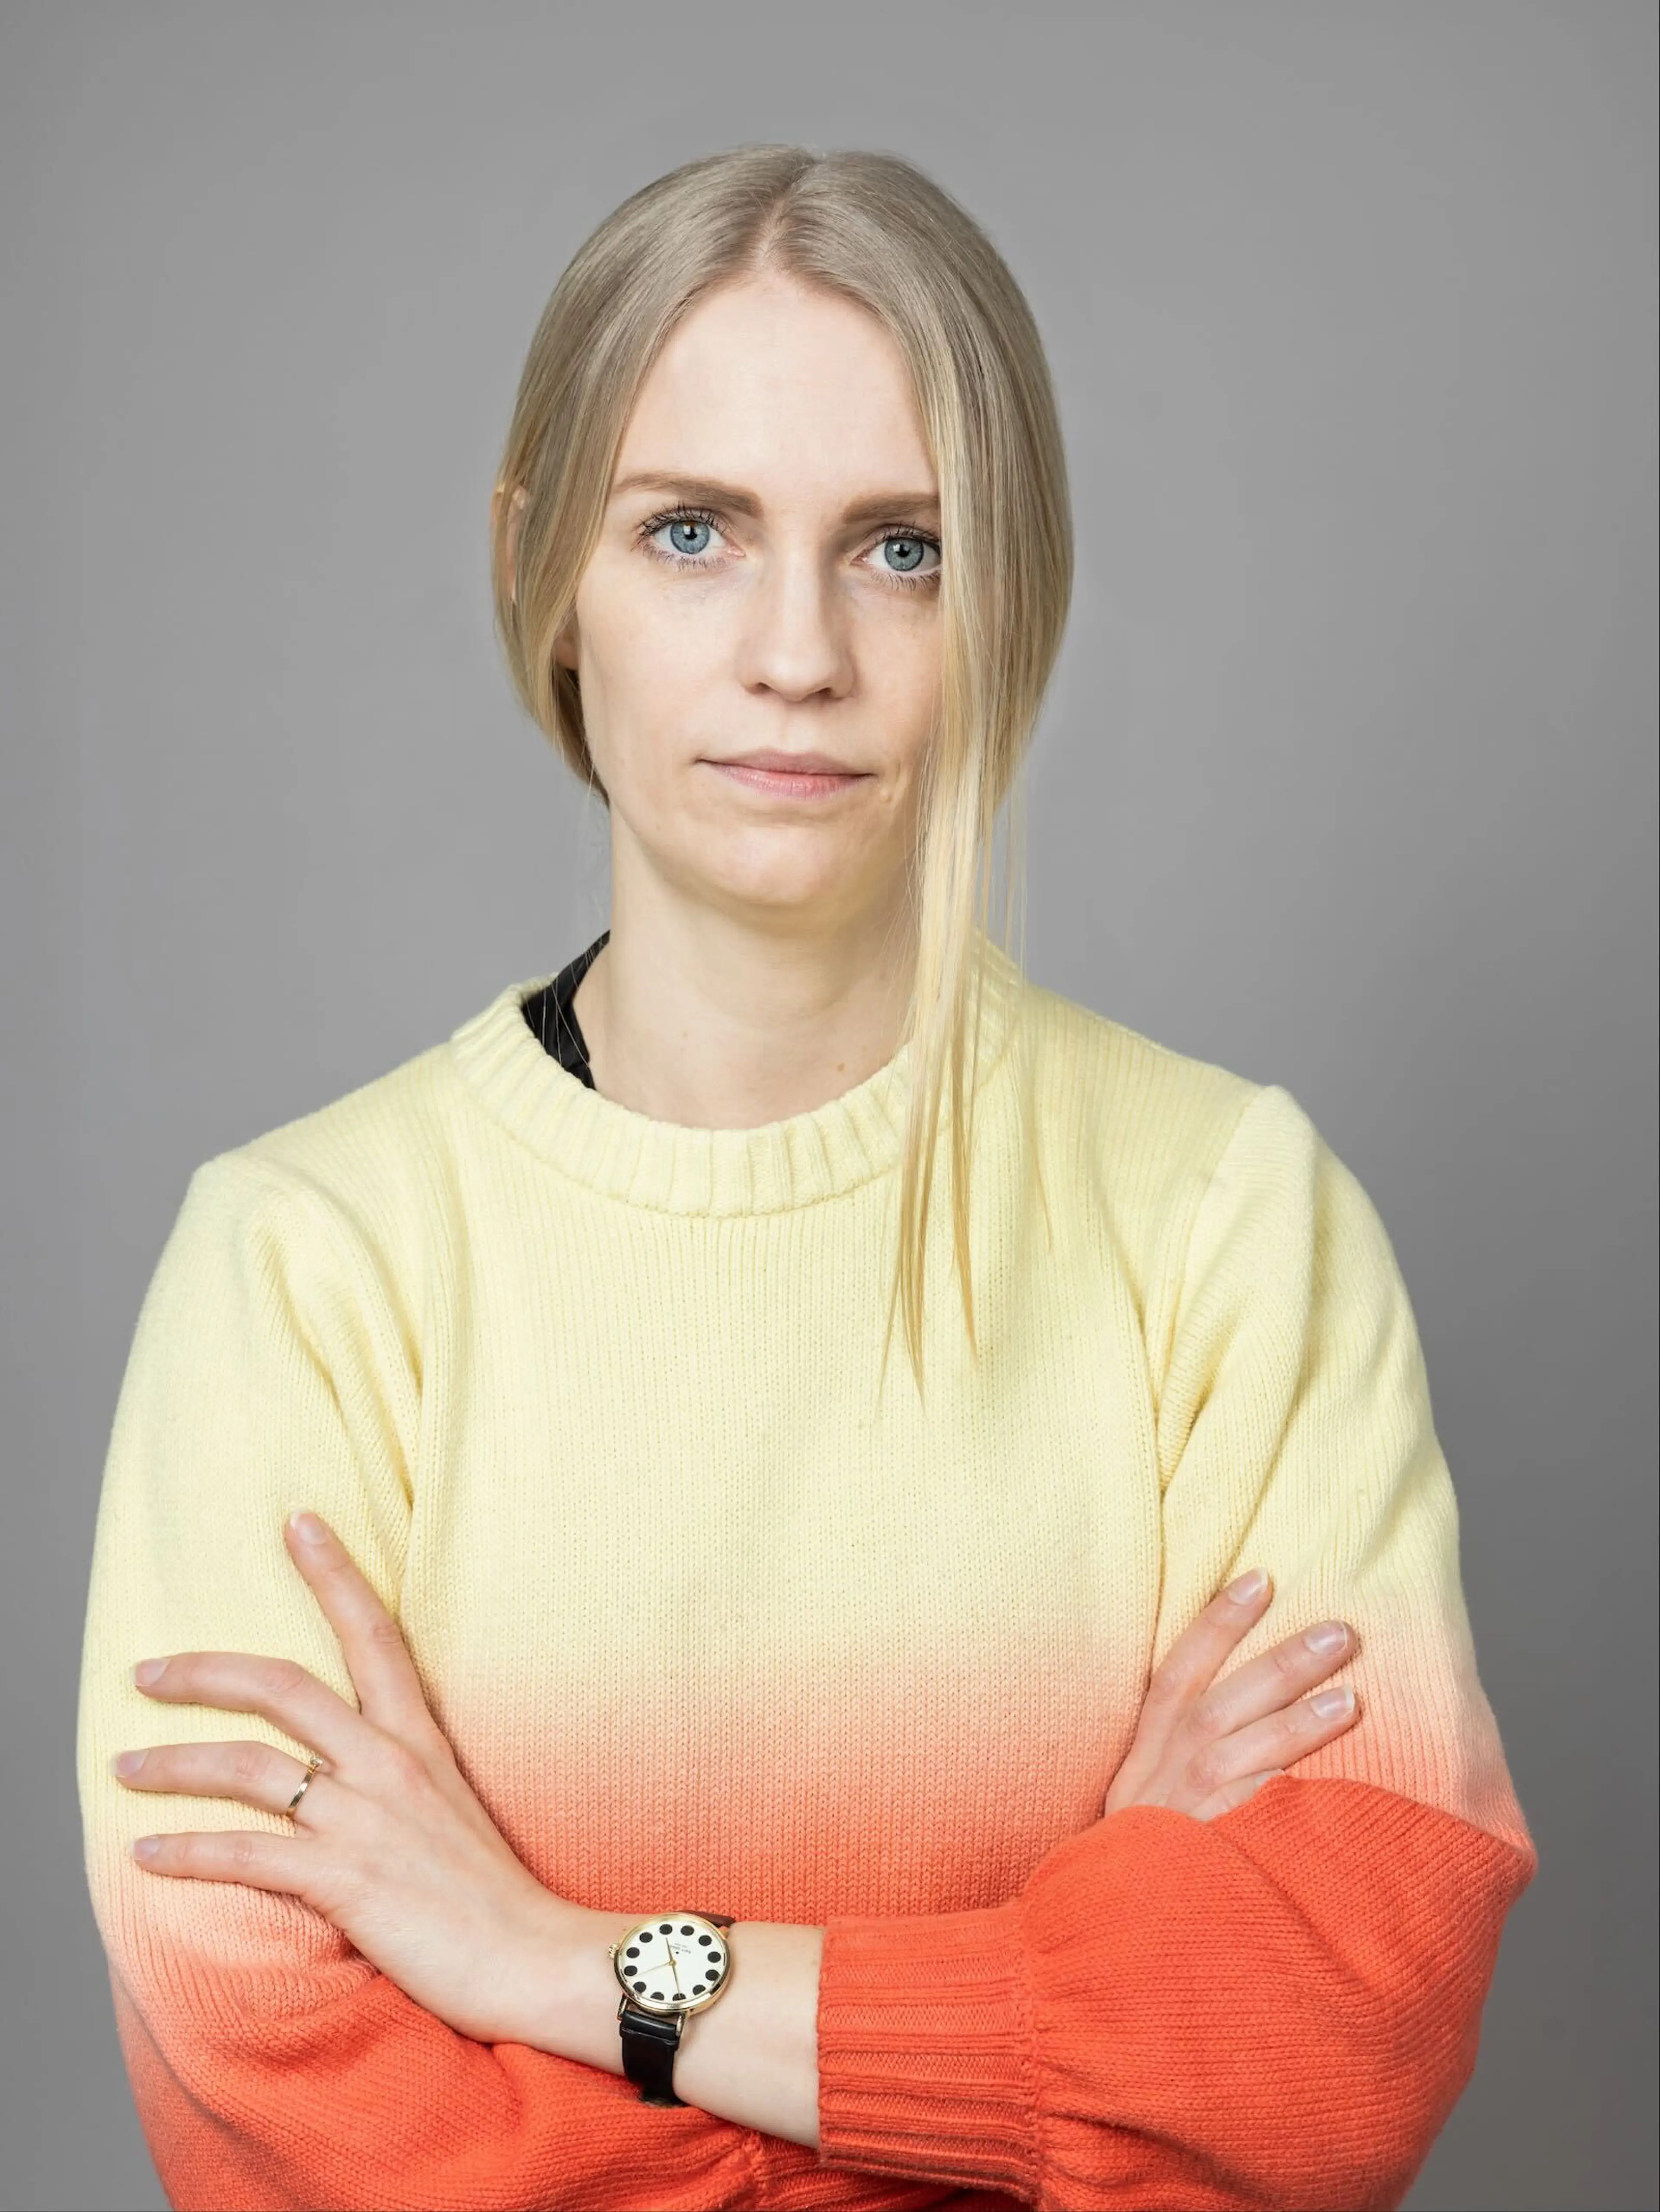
column 905, row 672
column 647, row 674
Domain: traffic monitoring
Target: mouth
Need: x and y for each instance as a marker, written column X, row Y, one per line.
column 790, row 775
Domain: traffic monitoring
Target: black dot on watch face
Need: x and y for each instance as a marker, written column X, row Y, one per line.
column 666, row 1928
column 686, row 1931
column 706, row 1939
column 697, row 1989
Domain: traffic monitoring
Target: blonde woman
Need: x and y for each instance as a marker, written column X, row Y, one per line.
column 680, row 1755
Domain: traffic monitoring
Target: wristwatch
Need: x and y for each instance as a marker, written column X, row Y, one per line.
column 671, row 1965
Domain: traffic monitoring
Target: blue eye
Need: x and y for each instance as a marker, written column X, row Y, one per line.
column 679, row 530
column 689, row 529
column 911, row 552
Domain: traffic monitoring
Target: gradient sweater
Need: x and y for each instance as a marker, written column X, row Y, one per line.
column 493, row 1325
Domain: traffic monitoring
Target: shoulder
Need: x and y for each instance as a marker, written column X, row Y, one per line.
column 1183, row 1146
column 368, row 1185
column 1207, row 1188
column 1161, row 1145
column 1151, row 1124
column 354, row 1151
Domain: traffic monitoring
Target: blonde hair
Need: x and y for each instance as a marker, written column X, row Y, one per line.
column 874, row 229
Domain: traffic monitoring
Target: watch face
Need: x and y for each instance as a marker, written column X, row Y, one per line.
column 677, row 1962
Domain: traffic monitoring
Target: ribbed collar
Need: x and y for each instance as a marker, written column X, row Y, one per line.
column 676, row 1168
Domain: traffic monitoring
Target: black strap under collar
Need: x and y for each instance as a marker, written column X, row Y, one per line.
column 552, row 1016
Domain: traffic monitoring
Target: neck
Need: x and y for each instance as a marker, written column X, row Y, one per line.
column 713, row 1023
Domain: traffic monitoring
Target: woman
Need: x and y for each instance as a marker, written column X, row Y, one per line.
column 643, row 1583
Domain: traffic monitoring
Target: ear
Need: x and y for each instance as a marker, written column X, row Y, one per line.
column 514, row 519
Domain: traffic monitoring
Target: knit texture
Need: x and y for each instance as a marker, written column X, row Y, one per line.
column 505, row 1332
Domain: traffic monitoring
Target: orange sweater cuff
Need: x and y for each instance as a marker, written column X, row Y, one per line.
column 924, row 2043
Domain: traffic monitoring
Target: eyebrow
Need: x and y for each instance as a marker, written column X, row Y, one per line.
column 879, row 507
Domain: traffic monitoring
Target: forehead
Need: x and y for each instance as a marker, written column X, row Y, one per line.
column 800, row 394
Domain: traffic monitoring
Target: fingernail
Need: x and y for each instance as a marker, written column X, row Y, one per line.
column 1249, row 1586
column 1329, row 1703
column 146, row 1670
column 1330, row 1636
column 308, row 1527
column 127, row 1762
column 147, row 1847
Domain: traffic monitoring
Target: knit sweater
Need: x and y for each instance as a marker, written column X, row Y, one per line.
column 494, row 1326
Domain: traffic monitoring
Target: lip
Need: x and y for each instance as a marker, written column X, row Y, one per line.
column 788, row 764
column 802, row 775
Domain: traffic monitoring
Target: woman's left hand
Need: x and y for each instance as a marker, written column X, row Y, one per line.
column 390, row 1843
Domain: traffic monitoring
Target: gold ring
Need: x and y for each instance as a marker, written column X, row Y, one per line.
column 312, row 1765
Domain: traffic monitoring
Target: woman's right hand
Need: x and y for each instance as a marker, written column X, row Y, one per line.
column 1202, row 1745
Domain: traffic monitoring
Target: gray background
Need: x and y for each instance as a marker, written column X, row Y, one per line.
column 1348, row 781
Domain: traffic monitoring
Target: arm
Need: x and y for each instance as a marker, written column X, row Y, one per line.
column 271, row 2065
column 752, row 2059
column 1279, row 2006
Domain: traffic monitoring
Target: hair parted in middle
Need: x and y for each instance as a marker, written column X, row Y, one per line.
column 873, row 228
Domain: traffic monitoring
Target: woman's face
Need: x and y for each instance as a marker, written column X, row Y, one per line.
column 767, row 578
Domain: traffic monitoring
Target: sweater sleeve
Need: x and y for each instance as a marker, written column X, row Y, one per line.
column 271, row 2064
column 1278, row 2008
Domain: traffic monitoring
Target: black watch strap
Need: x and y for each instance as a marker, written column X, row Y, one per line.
column 650, row 2040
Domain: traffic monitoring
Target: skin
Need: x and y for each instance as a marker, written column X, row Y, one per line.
column 760, row 948
column 757, row 967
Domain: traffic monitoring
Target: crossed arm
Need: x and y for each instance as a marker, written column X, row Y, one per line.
column 394, row 1849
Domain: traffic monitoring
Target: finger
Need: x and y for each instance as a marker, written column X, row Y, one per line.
column 1188, row 1669
column 1278, row 1741
column 280, row 1690
column 1271, row 1681
column 389, row 1691
column 252, row 1773
column 260, row 1861
column 1190, row 1664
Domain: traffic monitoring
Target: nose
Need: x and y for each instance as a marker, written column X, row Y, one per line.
column 795, row 640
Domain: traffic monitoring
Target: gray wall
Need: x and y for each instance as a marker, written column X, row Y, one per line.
column 1348, row 778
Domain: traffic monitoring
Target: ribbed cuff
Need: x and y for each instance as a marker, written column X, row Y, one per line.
column 924, row 2046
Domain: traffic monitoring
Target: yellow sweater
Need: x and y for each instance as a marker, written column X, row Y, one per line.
column 501, row 1331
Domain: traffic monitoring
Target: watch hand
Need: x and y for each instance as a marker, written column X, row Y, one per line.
column 648, row 1964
